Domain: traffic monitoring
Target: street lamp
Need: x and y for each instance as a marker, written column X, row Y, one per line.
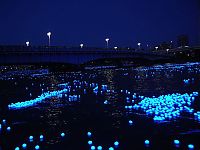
column 156, row 47
column 81, row 45
column 27, row 43
column 49, row 36
column 139, row 45
column 107, row 40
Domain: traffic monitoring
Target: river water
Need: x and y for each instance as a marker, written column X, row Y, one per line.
column 96, row 101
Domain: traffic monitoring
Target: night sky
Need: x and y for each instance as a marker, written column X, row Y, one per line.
column 125, row 22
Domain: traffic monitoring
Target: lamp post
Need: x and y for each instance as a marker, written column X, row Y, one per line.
column 49, row 36
column 107, row 40
column 156, row 48
column 139, row 45
column 171, row 44
column 27, row 43
column 81, row 45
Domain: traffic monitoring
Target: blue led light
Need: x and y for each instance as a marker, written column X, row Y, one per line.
column 130, row 122
column 93, row 148
column 31, row 138
column 41, row 136
column 186, row 81
column 62, row 134
column 37, row 147
column 17, row 148
column 116, row 143
column 105, row 102
column 89, row 134
column 4, row 121
column 111, row 148
column 8, row 128
column 146, row 142
column 177, row 142
column 99, row 148
column 24, row 145
column 90, row 142
column 190, row 146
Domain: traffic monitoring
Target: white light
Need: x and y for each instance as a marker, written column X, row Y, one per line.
column 107, row 39
column 27, row 43
column 156, row 47
column 81, row 45
column 139, row 45
column 167, row 50
column 49, row 34
column 115, row 47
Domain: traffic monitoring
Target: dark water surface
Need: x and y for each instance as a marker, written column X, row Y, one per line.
column 102, row 113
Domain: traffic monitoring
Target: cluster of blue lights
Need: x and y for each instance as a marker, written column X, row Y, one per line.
column 197, row 115
column 4, row 126
column 73, row 98
column 31, row 139
column 93, row 147
column 188, row 81
column 169, row 66
column 166, row 107
column 40, row 98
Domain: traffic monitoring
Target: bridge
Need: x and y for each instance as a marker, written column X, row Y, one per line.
column 45, row 54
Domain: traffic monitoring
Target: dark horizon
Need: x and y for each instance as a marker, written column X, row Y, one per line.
column 90, row 22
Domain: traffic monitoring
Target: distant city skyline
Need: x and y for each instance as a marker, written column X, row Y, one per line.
column 89, row 22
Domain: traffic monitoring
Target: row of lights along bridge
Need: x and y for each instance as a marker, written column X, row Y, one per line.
column 81, row 45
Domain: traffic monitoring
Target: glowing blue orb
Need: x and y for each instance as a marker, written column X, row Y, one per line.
column 177, row 142
column 17, row 148
column 90, row 142
column 92, row 147
column 111, row 148
column 116, row 143
column 4, row 121
column 190, row 146
column 31, row 138
column 130, row 122
column 146, row 142
column 37, row 147
column 24, row 145
column 89, row 134
column 8, row 128
column 62, row 134
column 41, row 136
column 99, row 148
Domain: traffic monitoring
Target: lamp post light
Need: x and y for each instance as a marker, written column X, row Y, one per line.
column 139, row 45
column 107, row 41
column 49, row 36
column 156, row 47
column 171, row 44
column 115, row 47
column 27, row 43
column 81, row 45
